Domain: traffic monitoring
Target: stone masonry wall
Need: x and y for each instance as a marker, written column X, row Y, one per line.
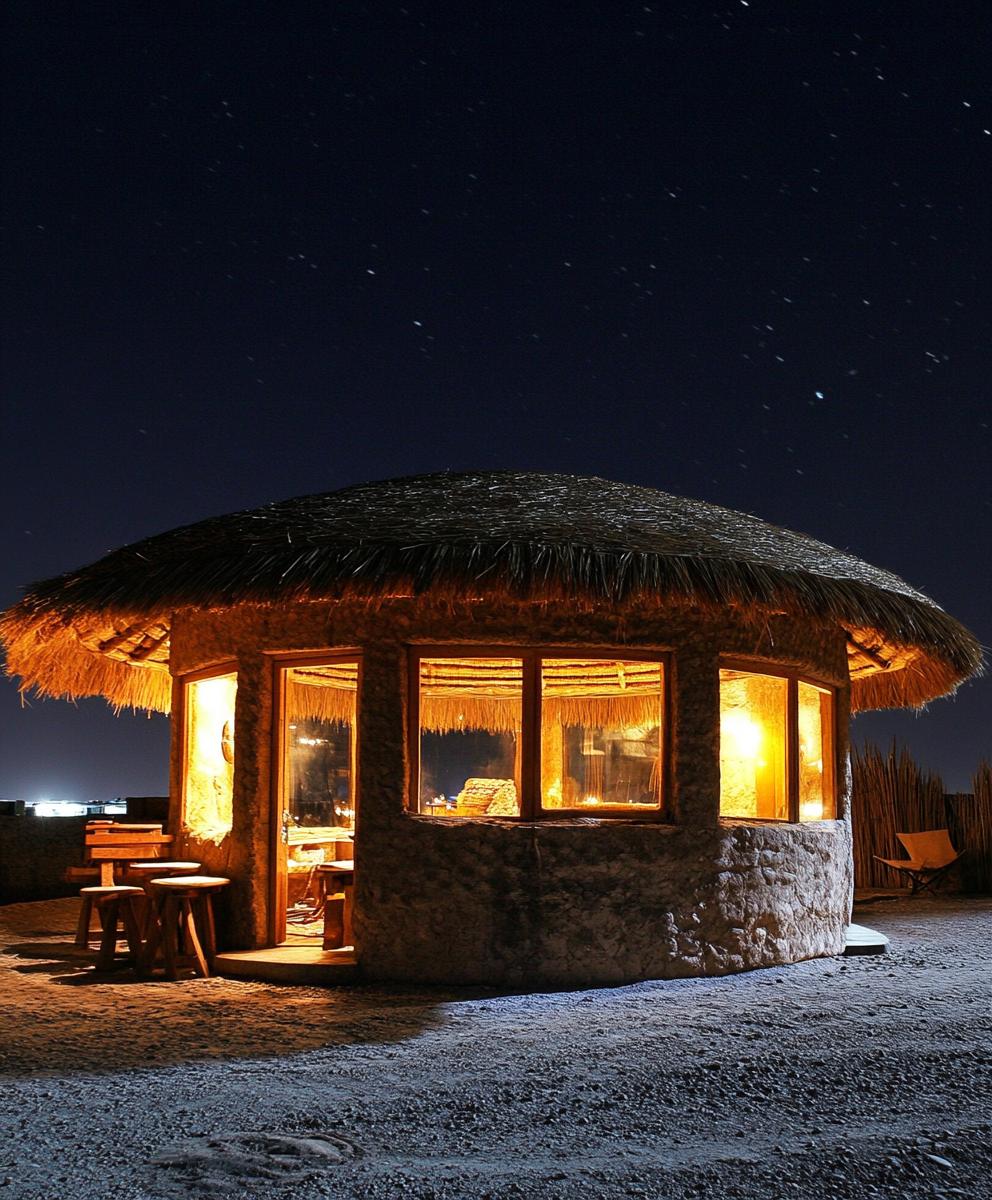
column 552, row 903
column 34, row 855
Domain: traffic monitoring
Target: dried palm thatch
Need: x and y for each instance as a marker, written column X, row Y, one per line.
column 104, row 629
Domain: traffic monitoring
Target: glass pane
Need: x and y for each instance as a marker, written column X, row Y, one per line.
column 470, row 721
column 318, row 781
column 816, row 788
column 208, row 776
column 601, row 722
column 320, row 744
column 752, row 745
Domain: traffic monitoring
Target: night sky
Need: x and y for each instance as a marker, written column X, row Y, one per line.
column 737, row 252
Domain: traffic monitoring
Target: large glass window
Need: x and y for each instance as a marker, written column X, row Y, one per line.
column 208, row 766
column 753, row 719
column 514, row 736
column 601, row 723
column 470, row 736
column 776, row 747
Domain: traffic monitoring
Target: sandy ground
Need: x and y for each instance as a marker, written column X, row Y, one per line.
column 849, row 1077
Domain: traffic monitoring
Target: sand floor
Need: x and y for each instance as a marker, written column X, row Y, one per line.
column 848, row 1077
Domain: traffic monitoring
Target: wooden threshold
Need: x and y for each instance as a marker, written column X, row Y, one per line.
column 301, row 965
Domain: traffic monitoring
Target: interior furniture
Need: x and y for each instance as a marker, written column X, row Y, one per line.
column 335, row 894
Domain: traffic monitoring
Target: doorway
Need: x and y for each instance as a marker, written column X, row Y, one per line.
column 314, row 801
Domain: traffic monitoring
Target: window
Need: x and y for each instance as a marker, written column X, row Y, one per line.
column 208, row 756
column 471, row 712
column 524, row 734
column 816, row 776
column 601, row 725
column 776, row 747
column 753, row 723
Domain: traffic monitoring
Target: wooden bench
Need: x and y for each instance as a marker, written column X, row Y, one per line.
column 108, row 843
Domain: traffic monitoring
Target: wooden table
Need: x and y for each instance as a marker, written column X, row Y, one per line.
column 332, row 878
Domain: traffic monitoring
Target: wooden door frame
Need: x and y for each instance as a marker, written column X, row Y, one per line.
column 278, row 889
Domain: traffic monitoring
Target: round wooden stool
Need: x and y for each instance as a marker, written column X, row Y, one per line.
column 158, row 868
column 182, row 923
column 142, row 874
column 115, row 904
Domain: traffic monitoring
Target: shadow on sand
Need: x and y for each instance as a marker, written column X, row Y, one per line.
column 59, row 1015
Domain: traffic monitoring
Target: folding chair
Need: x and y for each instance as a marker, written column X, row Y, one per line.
column 931, row 856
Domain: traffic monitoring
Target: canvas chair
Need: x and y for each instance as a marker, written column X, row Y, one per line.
column 931, row 856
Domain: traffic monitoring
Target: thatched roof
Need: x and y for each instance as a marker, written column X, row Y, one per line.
column 104, row 629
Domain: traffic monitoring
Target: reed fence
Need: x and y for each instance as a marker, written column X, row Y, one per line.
column 891, row 794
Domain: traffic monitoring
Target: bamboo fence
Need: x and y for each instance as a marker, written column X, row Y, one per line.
column 891, row 794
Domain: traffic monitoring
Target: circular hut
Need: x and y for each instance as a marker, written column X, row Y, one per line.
column 570, row 731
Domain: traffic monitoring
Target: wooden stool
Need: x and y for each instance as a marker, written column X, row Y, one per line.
column 159, row 868
column 179, row 903
column 115, row 904
column 143, row 873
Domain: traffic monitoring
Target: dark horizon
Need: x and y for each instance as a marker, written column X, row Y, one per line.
column 742, row 256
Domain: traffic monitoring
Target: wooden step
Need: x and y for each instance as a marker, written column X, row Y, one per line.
column 308, row 965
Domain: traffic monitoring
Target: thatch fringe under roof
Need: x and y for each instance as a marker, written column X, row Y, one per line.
column 104, row 629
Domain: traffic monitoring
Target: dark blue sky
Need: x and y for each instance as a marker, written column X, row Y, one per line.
column 254, row 250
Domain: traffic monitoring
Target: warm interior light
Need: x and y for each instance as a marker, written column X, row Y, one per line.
column 601, row 723
column 743, row 733
column 208, row 777
column 600, row 734
column 471, row 712
column 815, row 721
column 318, row 772
column 321, row 709
column 752, row 745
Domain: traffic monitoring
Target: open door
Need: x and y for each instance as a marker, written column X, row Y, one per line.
column 314, row 800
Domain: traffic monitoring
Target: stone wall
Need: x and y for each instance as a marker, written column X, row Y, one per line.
column 569, row 904
column 34, row 855
column 552, row 903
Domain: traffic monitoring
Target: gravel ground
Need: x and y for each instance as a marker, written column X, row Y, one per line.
column 848, row 1077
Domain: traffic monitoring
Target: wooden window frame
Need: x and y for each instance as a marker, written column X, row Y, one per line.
column 531, row 806
column 215, row 672
column 278, row 878
column 793, row 678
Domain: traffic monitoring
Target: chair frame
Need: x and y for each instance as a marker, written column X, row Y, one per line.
column 924, row 871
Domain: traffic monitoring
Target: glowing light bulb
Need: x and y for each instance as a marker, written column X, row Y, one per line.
column 745, row 734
